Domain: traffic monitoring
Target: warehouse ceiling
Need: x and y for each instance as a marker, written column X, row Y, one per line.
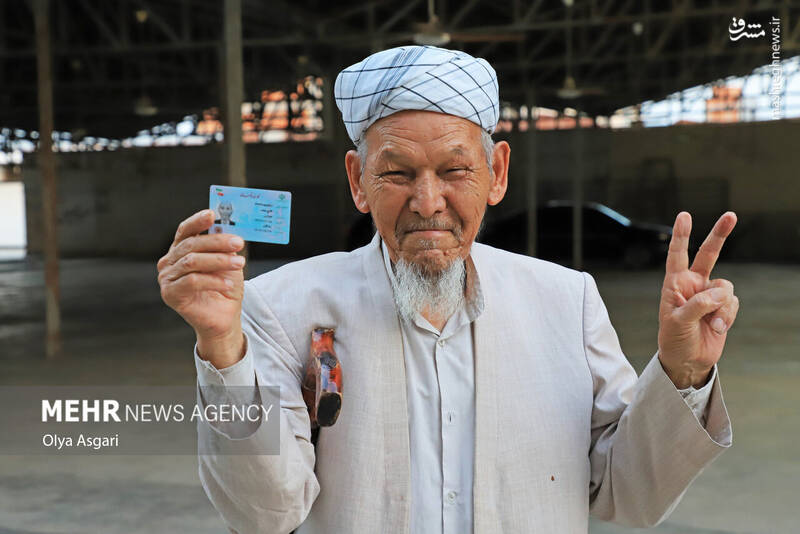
column 124, row 65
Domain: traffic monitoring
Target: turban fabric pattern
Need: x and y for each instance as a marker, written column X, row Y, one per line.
column 417, row 78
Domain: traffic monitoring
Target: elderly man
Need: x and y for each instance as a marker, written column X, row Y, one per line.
column 225, row 210
column 485, row 391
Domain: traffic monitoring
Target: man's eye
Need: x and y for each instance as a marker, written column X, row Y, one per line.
column 392, row 174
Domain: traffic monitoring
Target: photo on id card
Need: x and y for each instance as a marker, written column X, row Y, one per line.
column 261, row 215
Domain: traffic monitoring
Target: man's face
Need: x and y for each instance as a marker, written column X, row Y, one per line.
column 427, row 183
column 225, row 210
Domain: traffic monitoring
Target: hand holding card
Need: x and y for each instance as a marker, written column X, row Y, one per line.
column 252, row 214
column 201, row 277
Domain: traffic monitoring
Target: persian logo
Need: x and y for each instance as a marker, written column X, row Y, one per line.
column 737, row 30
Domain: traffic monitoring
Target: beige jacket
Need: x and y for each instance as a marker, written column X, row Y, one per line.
column 563, row 425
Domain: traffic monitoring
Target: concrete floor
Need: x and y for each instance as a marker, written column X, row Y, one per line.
column 117, row 331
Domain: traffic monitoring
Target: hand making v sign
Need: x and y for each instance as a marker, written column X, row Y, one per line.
column 696, row 311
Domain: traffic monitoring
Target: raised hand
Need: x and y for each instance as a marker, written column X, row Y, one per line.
column 202, row 278
column 696, row 311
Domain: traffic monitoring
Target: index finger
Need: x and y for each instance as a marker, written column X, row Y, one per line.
column 678, row 254
column 199, row 222
column 709, row 251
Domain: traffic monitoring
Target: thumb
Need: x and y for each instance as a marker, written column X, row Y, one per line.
column 702, row 304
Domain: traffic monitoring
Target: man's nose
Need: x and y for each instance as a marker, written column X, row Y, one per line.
column 428, row 197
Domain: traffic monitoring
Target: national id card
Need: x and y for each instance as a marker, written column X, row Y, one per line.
column 252, row 214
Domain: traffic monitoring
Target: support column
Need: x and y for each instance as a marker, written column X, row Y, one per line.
column 233, row 90
column 233, row 157
column 531, row 158
column 329, row 118
column 577, row 194
column 531, row 174
column 47, row 165
column 339, row 142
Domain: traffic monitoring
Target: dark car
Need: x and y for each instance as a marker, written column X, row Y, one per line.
column 608, row 236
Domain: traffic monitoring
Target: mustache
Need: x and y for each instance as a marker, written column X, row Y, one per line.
column 428, row 224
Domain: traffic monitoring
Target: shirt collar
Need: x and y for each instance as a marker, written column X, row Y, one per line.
column 473, row 298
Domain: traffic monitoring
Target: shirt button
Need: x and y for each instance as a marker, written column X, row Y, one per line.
column 451, row 497
column 450, row 416
column 440, row 342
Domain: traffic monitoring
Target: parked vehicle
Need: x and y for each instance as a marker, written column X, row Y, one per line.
column 608, row 236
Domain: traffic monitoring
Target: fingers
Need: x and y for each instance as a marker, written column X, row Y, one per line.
column 722, row 319
column 199, row 222
column 226, row 243
column 717, row 304
column 198, row 263
column 720, row 282
column 678, row 255
column 709, row 251
column 703, row 303
column 202, row 262
column 194, row 283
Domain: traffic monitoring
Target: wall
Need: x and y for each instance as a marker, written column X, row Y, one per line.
column 652, row 174
column 128, row 203
column 749, row 168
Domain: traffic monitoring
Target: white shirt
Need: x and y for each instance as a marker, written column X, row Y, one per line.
column 441, row 410
column 440, row 386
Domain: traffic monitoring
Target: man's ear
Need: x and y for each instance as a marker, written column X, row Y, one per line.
column 500, row 160
column 352, row 164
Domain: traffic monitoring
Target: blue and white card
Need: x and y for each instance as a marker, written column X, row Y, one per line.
column 252, row 214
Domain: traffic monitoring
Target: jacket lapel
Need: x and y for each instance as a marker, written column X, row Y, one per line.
column 392, row 376
column 488, row 344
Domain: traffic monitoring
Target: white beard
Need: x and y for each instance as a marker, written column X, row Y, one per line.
column 417, row 289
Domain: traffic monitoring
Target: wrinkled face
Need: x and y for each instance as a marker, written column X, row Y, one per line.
column 426, row 183
column 225, row 210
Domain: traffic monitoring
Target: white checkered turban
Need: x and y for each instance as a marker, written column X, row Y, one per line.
column 417, row 77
